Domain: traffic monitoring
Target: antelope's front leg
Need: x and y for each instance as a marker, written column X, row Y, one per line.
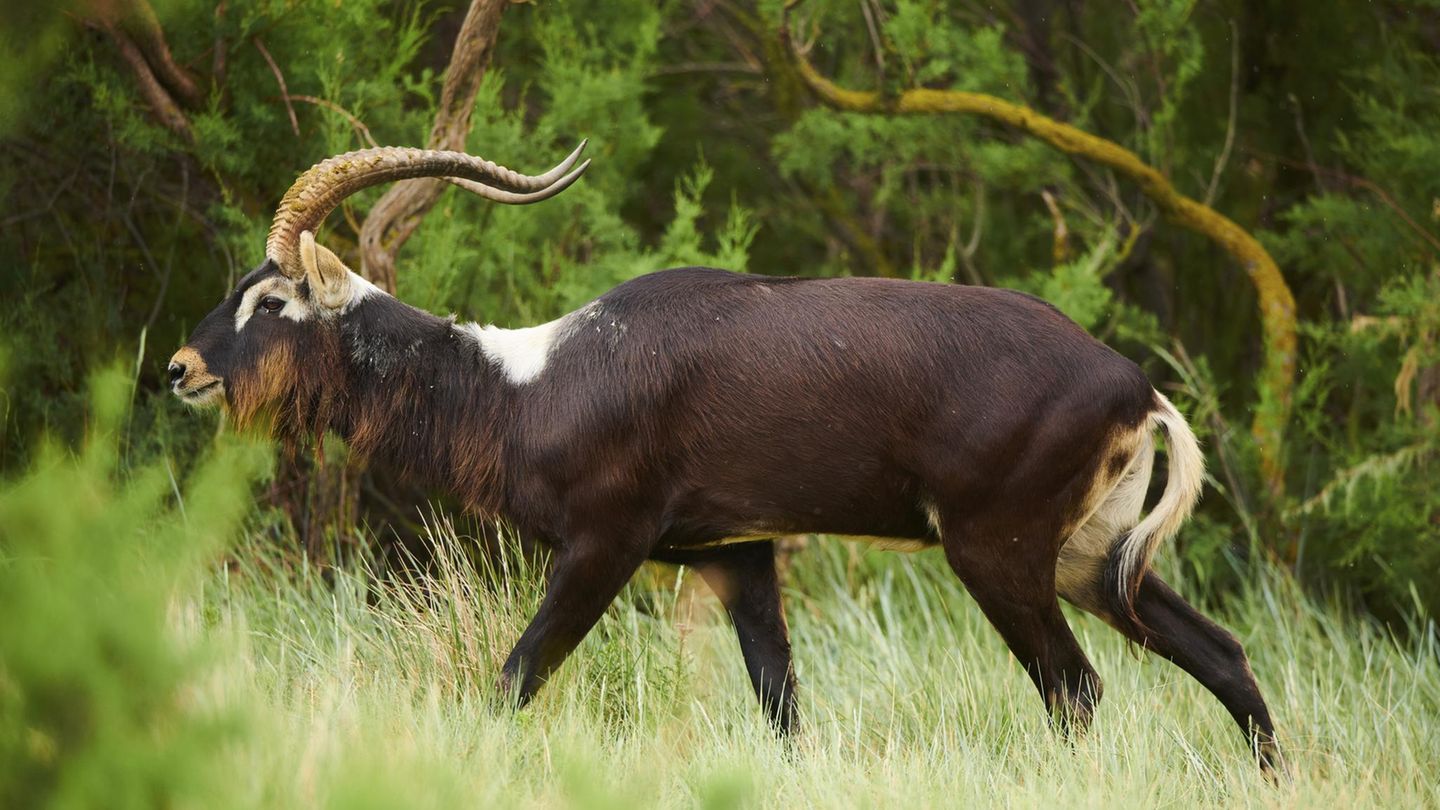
column 585, row 577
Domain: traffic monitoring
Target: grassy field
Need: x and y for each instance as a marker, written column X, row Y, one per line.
column 147, row 661
column 908, row 699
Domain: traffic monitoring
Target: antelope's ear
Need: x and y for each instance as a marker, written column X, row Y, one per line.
column 328, row 276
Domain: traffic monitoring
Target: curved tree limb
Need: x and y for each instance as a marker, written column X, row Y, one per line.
column 397, row 214
column 1276, row 380
column 355, row 123
column 139, row 21
column 166, row 87
column 161, row 103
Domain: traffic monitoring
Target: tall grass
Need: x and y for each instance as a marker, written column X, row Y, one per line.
column 378, row 692
column 141, row 666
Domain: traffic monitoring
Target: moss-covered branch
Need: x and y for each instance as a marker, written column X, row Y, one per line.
column 1277, row 306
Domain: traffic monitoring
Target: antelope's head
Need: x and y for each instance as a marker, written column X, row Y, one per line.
column 275, row 338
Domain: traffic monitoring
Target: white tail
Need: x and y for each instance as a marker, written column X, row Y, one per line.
column 1134, row 550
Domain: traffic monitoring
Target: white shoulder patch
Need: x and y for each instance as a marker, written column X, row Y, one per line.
column 521, row 353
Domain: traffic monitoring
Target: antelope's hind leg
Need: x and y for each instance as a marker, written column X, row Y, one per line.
column 1169, row 625
column 1210, row 654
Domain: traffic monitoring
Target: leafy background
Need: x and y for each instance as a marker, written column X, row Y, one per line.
column 1318, row 130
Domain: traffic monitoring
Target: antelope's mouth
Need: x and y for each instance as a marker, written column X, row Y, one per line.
column 200, row 395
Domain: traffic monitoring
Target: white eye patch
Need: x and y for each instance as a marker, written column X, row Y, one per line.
column 294, row 309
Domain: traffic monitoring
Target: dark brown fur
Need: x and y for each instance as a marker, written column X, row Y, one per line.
column 691, row 406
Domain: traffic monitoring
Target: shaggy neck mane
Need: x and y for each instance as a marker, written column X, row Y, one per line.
column 407, row 391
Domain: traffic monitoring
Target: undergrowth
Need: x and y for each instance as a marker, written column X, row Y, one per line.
column 157, row 653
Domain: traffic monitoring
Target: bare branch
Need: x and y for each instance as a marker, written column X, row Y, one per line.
column 1355, row 181
column 139, row 20
column 217, row 59
column 1060, row 249
column 280, row 79
column 874, row 36
column 1126, row 86
column 156, row 96
column 1224, row 157
column 360, row 128
column 707, row 67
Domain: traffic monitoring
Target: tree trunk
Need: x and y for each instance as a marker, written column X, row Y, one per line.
column 320, row 498
column 396, row 216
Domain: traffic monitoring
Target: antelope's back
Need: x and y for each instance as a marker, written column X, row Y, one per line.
column 714, row 355
column 707, row 326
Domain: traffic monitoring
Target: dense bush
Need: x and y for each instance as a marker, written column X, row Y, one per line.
column 98, row 677
column 119, row 233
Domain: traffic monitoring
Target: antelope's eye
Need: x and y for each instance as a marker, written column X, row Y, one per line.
column 272, row 304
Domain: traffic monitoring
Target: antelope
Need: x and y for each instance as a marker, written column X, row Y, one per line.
column 693, row 415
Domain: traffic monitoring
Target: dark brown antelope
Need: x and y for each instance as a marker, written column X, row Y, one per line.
column 693, row 415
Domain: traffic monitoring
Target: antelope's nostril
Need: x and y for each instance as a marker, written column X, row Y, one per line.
column 177, row 372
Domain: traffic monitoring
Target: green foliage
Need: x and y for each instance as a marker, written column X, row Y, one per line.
column 119, row 234
column 95, row 670
column 1175, row 46
column 1372, row 516
column 366, row 690
column 682, row 242
column 936, row 49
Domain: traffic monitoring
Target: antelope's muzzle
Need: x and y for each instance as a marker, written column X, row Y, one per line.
column 191, row 381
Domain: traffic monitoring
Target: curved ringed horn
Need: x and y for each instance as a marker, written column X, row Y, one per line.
column 501, row 195
column 320, row 189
